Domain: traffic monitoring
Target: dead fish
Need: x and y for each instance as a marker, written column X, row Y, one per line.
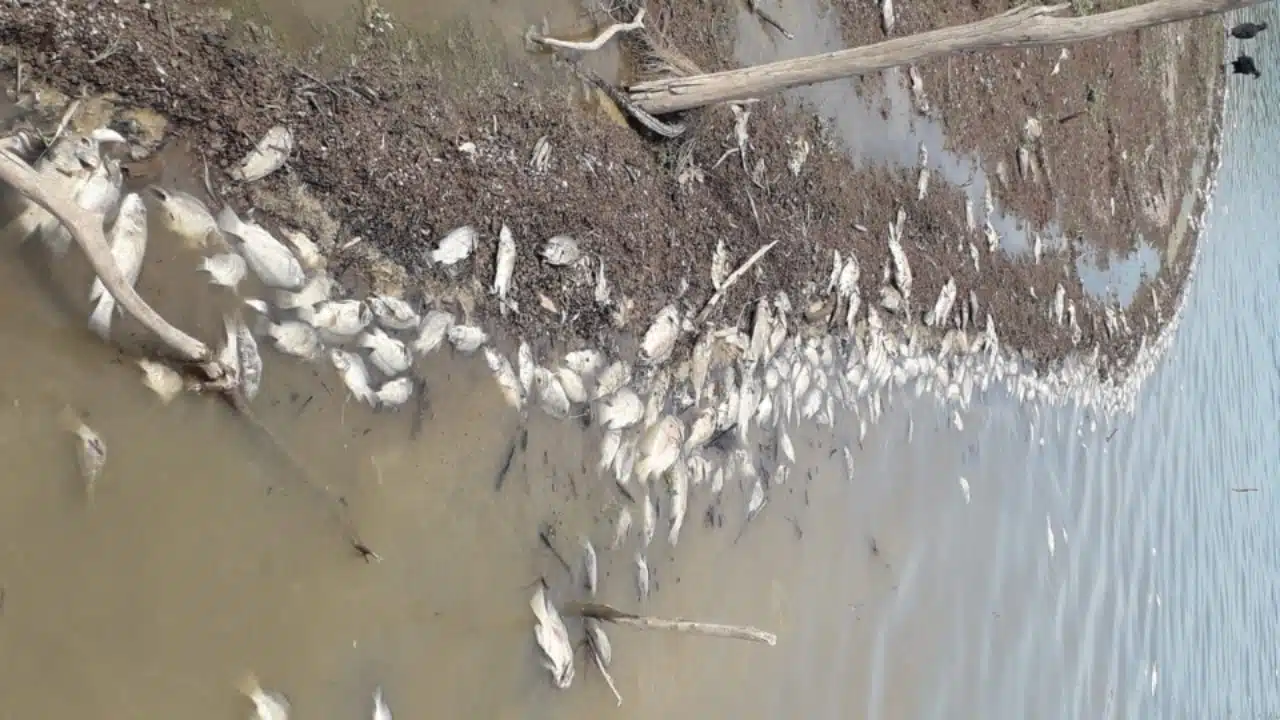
column 435, row 325
column 590, row 567
column 128, row 240
column 504, row 267
column 393, row 313
column 267, row 705
column 561, row 250
column 648, row 521
column 270, row 260
column 642, row 577
column 389, row 355
column 620, row 410
column 456, row 246
column 317, row 290
column 185, row 216
column 551, row 395
column 380, row 709
column 225, row 269
column 91, row 452
column 161, row 379
column 609, row 446
column 525, row 366
column 305, row 249
column 678, row 477
column 660, row 339
column 784, row 441
column 887, row 19
column 466, row 339
column 574, row 389
column 621, row 526
column 354, row 374
column 660, row 447
column 338, row 318
column 756, row 502
column 395, row 393
column 247, row 354
column 268, row 156
column 295, row 338
column 719, row 265
column 553, row 638
column 512, row 391
column 602, row 290
column 704, row 426
column 586, row 363
column 601, row 653
column 614, row 378
column 98, row 194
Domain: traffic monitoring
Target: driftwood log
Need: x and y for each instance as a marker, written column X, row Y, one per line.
column 1023, row 26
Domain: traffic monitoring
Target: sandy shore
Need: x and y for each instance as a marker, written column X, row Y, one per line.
column 399, row 146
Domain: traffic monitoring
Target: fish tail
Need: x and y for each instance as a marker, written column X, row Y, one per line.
column 100, row 318
column 69, row 419
column 249, row 686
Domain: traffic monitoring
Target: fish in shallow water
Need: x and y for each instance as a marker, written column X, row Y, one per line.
column 161, row 379
column 553, row 638
column 678, row 476
column 98, row 194
column 525, row 366
column 380, row 709
column 270, row 260
column 466, row 339
column 305, row 249
column 642, row 577
column 660, row 338
column 185, row 216
column 91, row 451
column 508, row 383
column 267, row 704
column 354, row 374
column 660, row 448
column 621, row 526
column 128, row 240
column 620, row 410
column 649, row 520
column 394, row 393
column 338, row 318
column 590, row 567
column 268, row 156
column 295, row 338
column 389, row 355
column 225, row 269
column 317, row 290
column 393, row 313
column 247, row 355
column 435, row 326
column 551, row 394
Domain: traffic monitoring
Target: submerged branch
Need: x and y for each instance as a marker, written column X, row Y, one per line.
column 607, row 613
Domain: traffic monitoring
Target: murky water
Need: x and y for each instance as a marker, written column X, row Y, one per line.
column 893, row 595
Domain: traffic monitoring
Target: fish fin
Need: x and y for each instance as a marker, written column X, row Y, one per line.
column 228, row 221
column 69, row 419
column 249, row 686
column 100, row 318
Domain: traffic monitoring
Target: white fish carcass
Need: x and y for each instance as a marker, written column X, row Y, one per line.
column 456, row 246
column 551, row 394
column 98, row 194
column 585, row 363
column 504, row 267
column 317, row 290
column 590, row 567
column 186, row 216
column 621, row 526
column 393, row 313
column 553, row 638
column 642, row 576
column 525, row 366
column 648, row 521
column 678, row 478
column 572, row 384
column 380, row 709
column 268, row 156
column 660, row 448
column 512, row 390
column 394, row 393
column 270, row 260
column 354, row 374
column 389, row 355
column 295, row 338
column 660, row 339
column 267, row 705
column 703, row 427
column 128, row 240
column 247, row 355
column 466, row 339
column 620, row 410
column 339, row 319
column 225, row 269
column 161, row 379
column 305, row 249
column 435, row 326
column 91, row 450
column 614, row 378
column 561, row 250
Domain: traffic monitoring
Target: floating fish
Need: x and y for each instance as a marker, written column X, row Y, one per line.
column 380, row 709
column 225, row 269
column 678, row 477
column 338, row 318
column 435, row 325
column 504, row 267
column 295, row 338
column 91, row 452
column 648, row 521
column 614, row 378
column 393, row 313
column 247, row 355
column 553, row 638
column 162, row 379
column 128, row 241
column 590, row 567
column 621, row 526
column 268, row 156
column 267, row 705
column 466, row 339
column 394, row 393
column 270, row 260
column 660, row 447
column 389, row 355
column 660, row 338
column 620, row 410
column 186, row 216
column 317, row 290
column 354, row 374
column 305, row 249
column 574, row 389
column 456, row 246
column 561, row 250
column 512, row 390
column 525, row 366
column 642, row 577
column 551, row 394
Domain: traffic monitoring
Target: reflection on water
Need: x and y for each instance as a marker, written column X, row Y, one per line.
column 893, row 594
column 1118, row 278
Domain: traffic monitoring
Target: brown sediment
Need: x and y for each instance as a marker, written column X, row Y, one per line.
column 400, row 147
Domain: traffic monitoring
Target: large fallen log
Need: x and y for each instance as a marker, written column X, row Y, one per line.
column 1023, row 26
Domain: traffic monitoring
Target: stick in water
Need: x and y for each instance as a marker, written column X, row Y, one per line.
column 611, row 614
column 637, row 23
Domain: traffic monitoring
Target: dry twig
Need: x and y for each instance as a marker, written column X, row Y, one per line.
column 608, row 613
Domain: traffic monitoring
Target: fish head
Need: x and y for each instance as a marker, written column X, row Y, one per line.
column 341, row 361
column 106, row 135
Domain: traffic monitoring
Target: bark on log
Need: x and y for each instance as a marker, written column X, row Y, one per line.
column 1024, row 26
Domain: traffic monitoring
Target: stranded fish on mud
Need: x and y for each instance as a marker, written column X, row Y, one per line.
column 128, row 240
column 339, row 318
column 466, row 339
column 561, row 250
column 225, row 269
column 389, row 355
column 354, row 374
column 396, row 392
column 247, row 354
column 660, row 338
column 505, row 266
column 91, row 452
column 270, row 260
column 435, row 325
column 508, row 382
column 590, row 567
column 185, row 216
column 455, row 246
column 553, row 639
column 267, row 705
column 660, row 448
column 393, row 313
column 268, row 156
column 295, row 338
column 317, row 290
column 620, row 410
column 305, row 250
